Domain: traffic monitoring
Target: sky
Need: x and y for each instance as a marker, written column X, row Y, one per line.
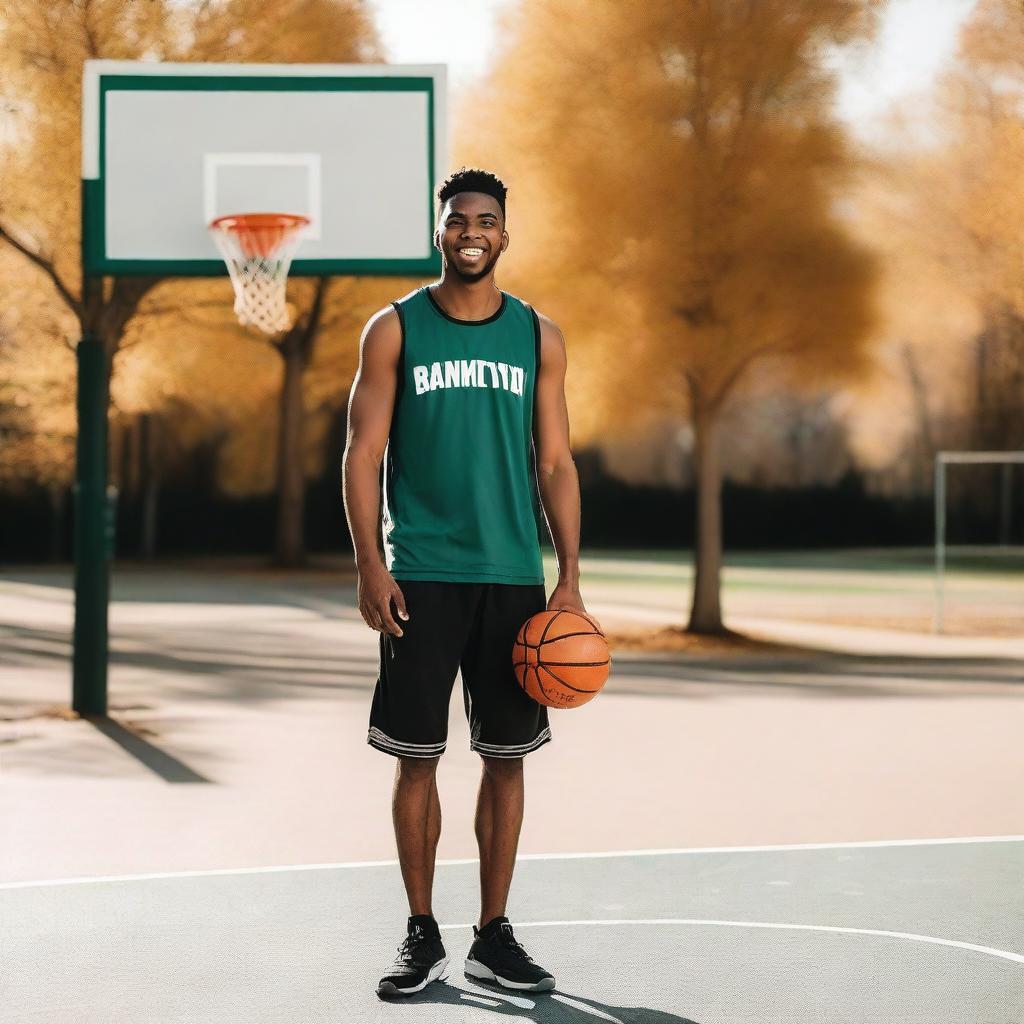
column 916, row 38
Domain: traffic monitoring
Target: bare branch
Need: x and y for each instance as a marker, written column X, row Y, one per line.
column 48, row 268
column 733, row 377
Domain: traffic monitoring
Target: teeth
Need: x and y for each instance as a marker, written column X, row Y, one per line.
column 471, row 252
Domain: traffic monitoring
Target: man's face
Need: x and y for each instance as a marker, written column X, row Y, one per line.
column 471, row 221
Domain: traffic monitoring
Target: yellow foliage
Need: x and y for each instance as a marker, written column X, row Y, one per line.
column 673, row 171
column 944, row 217
column 184, row 348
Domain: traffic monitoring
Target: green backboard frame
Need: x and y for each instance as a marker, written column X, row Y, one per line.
column 103, row 79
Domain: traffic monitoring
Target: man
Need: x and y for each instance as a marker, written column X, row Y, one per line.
column 460, row 393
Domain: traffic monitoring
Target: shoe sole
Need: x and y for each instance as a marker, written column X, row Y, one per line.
column 475, row 969
column 389, row 988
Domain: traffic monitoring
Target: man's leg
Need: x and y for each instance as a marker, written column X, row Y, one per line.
column 499, row 817
column 416, row 812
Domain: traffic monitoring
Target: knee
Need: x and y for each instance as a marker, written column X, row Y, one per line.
column 416, row 769
column 502, row 767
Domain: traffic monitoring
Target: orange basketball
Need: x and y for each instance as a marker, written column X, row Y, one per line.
column 561, row 658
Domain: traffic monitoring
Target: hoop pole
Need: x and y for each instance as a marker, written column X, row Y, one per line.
column 92, row 570
column 940, row 541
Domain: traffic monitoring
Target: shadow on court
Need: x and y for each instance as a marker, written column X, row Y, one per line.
column 158, row 761
column 544, row 1007
column 342, row 667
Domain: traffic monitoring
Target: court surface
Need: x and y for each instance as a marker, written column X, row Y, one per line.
column 806, row 935
column 227, row 828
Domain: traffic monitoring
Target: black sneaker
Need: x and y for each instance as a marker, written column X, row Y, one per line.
column 496, row 956
column 421, row 959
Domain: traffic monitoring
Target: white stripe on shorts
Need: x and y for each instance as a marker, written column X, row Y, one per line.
column 401, row 747
column 513, row 750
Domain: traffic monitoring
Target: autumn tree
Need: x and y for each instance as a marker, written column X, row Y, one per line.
column 981, row 97
column 675, row 170
column 280, row 394
column 913, row 405
column 942, row 208
column 37, row 422
column 44, row 47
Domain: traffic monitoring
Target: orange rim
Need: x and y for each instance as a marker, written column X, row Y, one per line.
column 260, row 234
column 254, row 221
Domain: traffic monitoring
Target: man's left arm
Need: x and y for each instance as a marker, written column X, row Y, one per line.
column 556, row 470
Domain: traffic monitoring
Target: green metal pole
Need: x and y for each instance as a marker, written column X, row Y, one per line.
column 92, row 535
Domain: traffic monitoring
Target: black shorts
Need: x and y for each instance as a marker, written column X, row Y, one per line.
column 453, row 626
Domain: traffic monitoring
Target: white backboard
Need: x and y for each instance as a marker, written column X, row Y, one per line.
column 357, row 148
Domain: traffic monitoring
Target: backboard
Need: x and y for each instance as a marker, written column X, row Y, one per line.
column 167, row 147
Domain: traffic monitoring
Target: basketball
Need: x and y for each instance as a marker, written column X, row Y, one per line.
column 561, row 658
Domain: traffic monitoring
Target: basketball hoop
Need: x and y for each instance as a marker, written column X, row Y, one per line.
column 258, row 250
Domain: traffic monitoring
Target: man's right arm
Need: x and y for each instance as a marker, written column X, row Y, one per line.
column 370, row 407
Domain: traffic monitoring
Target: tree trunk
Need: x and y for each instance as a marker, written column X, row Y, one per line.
column 289, row 548
column 296, row 349
column 706, row 609
column 149, row 452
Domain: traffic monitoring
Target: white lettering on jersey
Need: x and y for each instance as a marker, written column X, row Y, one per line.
column 469, row 373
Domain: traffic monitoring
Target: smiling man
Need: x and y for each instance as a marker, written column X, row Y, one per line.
column 460, row 393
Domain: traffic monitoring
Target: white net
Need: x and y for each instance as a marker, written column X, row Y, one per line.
column 258, row 260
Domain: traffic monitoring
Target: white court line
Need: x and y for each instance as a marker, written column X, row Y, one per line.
column 867, row 844
column 912, row 936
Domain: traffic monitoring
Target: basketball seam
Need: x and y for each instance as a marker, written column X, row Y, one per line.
column 537, row 676
column 574, row 664
column 563, row 682
column 520, row 677
column 547, row 626
column 593, row 622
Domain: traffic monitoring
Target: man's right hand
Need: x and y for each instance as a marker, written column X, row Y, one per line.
column 377, row 587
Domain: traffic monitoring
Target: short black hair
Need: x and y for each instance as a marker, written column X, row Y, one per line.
column 472, row 179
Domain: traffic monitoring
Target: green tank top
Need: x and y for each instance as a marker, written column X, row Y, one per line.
column 461, row 500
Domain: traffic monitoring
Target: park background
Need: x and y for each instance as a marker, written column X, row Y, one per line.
column 782, row 235
column 782, row 241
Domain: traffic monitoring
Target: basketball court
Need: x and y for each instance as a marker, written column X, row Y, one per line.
column 228, row 830
column 805, row 934
column 824, row 832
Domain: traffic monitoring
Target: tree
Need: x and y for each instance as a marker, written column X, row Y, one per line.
column 40, row 65
column 675, row 169
column 942, row 209
column 331, row 309
column 982, row 97
column 272, row 402
column 37, row 423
